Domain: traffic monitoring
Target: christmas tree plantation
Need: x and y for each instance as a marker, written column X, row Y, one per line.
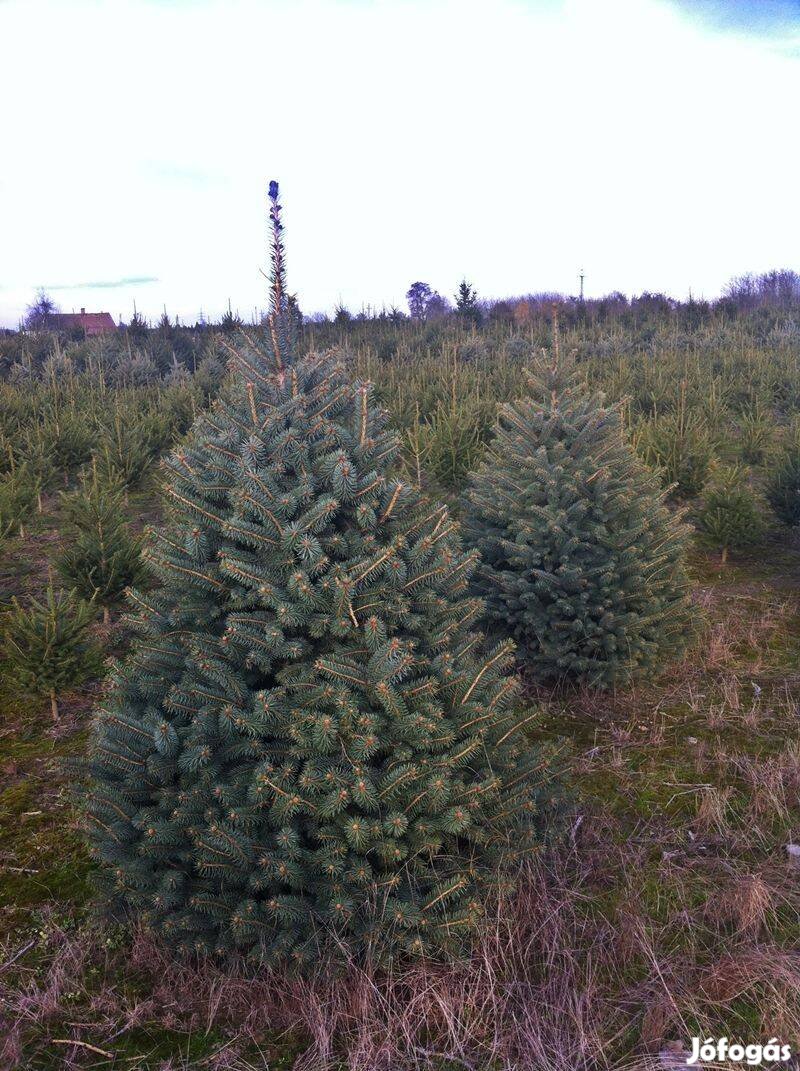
column 583, row 563
column 308, row 745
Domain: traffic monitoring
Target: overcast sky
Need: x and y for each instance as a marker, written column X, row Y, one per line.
column 651, row 142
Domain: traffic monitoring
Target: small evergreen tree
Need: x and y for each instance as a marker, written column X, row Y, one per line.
column 164, row 329
column 68, row 440
column 729, row 518
column 101, row 557
column 783, row 488
column 230, row 322
column 177, row 373
column 467, row 304
column 138, row 371
column 36, row 457
column 309, row 743
column 19, row 496
column 295, row 314
column 583, row 564
column 129, row 444
column 46, row 645
column 756, row 430
column 679, row 445
column 208, row 377
column 138, row 329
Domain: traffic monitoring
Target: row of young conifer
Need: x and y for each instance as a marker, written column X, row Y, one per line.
column 101, row 557
column 87, row 449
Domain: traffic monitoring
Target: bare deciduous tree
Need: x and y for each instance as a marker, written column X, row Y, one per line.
column 39, row 314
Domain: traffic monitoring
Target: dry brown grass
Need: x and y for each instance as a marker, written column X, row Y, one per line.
column 712, row 810
column 671, row 908
column 530, row 996
column 745, row 903
column 556, row 983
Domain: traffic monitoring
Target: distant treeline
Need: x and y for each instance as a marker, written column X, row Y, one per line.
column 139, row 352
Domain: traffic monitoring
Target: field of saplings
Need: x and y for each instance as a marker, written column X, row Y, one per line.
column 477, row 747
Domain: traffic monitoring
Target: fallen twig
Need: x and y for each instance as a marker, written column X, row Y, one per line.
column 83, row 1045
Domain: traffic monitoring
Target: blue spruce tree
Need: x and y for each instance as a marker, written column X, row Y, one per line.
column 583, row 563
column 309, row 745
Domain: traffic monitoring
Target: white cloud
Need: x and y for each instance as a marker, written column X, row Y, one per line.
column 513, row 142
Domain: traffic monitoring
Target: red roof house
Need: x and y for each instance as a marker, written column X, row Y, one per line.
column 93, row 323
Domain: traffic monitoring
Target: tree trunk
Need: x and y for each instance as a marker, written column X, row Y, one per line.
column 106, row 616
column 53, row 705
column 724, row 555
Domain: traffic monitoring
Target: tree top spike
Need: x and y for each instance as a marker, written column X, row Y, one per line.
column 278, row 317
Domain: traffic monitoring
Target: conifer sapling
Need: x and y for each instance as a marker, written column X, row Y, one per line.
column 101, row 557
column 46, row 645
column 19, row 496
column 783, row 488
column 128, row 448
column 679, row 446
column 308, row 747
column 68, row 440
column 729, row 518
column 582, row 561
